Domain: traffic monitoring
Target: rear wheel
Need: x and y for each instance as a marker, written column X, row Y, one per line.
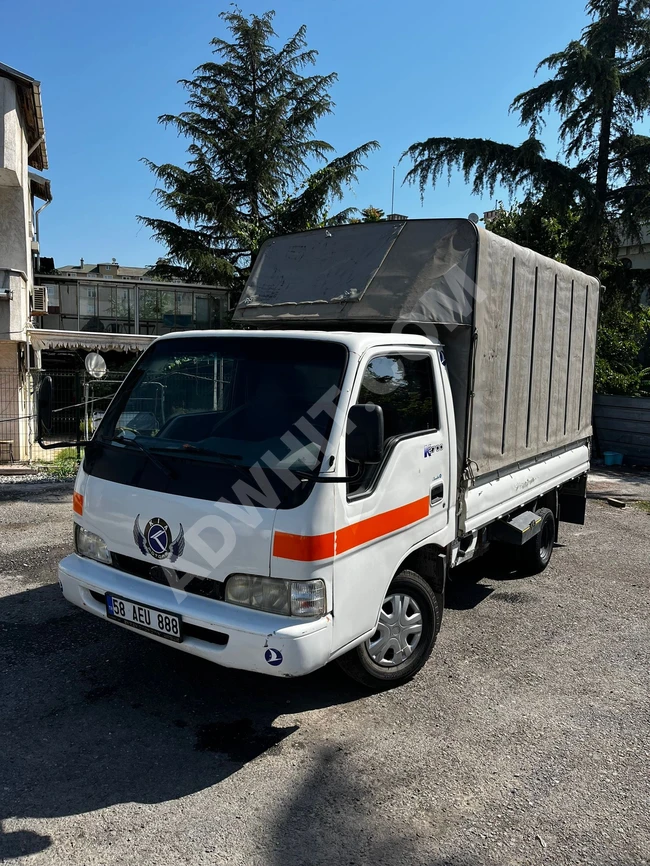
column 536, row 554
column 408, row 625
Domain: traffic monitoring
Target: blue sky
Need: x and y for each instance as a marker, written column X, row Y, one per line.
column 407, row 70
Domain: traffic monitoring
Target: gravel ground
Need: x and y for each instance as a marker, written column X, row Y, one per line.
column 627, row 484
column 34, row 478
column 524, row 740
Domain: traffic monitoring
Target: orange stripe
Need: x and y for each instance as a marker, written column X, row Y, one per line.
column 77, row 503
column 304, row 548
column 308, row 548
column 381, row 524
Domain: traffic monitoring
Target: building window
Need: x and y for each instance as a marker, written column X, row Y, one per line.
column 202, row 313
column 88, row 300
column 53, row 299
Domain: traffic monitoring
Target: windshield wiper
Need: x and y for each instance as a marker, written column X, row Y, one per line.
column 188, row 448
column 218, row 457
column 122, row 440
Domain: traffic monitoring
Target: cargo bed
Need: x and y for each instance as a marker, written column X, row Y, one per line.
column 519, row 329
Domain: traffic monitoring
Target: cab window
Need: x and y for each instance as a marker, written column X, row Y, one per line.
column 403, row 386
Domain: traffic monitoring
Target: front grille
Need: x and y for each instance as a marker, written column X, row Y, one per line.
column 166, row 576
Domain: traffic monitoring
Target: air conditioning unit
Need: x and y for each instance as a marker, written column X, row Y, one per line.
column 39, row 301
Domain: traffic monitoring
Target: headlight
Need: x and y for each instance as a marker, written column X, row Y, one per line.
column 90, row 545
column 275, row 595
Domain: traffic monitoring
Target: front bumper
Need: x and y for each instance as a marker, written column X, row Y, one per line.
column 232, row 636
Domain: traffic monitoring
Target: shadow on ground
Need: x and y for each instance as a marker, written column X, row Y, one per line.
column 338, row 816
column 466, row 589
column 94, row 716
column 40, row 492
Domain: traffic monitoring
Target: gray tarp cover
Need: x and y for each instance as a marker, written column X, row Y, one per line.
column 534, row 320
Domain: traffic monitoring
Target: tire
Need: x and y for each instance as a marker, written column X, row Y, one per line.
column 391, row 658
column 536, row 554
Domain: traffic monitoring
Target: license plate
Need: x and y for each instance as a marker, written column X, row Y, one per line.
column 144, row 618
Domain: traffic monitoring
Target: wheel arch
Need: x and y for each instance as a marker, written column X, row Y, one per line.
column 429, row 561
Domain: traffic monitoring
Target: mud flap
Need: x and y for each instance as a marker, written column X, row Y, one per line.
column 573, row 501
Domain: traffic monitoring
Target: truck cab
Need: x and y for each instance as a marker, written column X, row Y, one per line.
column 252, row 495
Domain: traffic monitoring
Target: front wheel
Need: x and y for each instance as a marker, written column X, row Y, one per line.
column 408, row 625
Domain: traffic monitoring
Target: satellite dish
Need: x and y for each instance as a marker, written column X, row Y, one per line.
column 96, row 365
column 474, row 217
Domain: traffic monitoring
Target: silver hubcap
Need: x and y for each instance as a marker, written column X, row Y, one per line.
column 398, row 631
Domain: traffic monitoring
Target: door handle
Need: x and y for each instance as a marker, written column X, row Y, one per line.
column 437, row 493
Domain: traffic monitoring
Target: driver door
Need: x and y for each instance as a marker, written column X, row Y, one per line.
column 401, row 501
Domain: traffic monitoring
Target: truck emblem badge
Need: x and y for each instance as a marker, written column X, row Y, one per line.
column 428, row 450
column 273, row 657
column 157, row 539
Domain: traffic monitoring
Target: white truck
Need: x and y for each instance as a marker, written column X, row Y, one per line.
column 399, row 396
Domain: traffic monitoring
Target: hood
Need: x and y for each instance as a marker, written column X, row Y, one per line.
column 190, row 535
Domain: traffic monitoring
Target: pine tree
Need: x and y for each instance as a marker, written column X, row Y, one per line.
column 250, row 120
column 600, row 87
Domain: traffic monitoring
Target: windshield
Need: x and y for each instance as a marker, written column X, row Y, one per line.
column 241, row 400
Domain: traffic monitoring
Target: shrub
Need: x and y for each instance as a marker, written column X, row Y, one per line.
column 64, row 466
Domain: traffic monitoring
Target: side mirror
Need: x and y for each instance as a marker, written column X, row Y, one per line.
column 364, row 441
column 44, row 411
column 44, row 408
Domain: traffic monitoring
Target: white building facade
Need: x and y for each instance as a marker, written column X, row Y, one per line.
column 22, row 155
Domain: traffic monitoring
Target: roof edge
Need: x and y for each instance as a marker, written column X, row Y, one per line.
column 38, row 158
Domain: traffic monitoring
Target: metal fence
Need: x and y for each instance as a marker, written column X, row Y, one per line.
column 67, row 404
column 78, row 405
column 79, row 402
column 12, row 412
column 97, row 395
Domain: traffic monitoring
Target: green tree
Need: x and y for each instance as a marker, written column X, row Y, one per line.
column 599, row 88
column 251, row 119
column 622, row 334
column 372, row 214
column 531, row 223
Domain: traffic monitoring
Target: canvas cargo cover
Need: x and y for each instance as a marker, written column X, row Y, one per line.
column 519, row 329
